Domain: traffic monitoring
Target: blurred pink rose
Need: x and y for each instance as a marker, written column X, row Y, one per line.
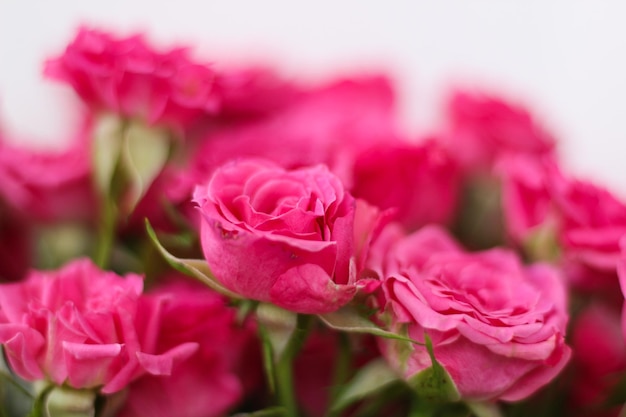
column 280, row 236
column 129, row 77
column 205, row 384
column 586, row 221
column 483, row 127
column 49, row 186
column 15, row 244
column 599, row 360
column 83, row 327
column 330, row 124
column 497, row 327
column 421, row 183
column 252, row 92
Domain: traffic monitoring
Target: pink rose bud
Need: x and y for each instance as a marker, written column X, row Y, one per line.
column 83, row 327
column 497, row 327
column 285, row 237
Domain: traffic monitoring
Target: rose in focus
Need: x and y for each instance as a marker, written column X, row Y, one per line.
column 496, row 326
column 280, row 236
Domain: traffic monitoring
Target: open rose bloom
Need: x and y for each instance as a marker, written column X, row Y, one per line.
column 347, row 267
column 496, row 326
column 285, row 237
column 82, row 327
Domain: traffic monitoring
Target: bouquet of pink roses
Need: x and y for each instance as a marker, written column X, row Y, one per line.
column 221, row 241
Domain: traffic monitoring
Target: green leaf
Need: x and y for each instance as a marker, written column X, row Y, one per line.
column 267, row 412
column 107, row 146
column 347, row 319
column 144, row 154
column 196, row 268
column 279, row 325
column 434, row 383
column 372, row 377
column 484, row 409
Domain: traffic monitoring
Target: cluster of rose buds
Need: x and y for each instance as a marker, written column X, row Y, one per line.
column 345, row 268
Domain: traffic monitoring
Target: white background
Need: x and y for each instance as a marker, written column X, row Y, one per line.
column 565, row 59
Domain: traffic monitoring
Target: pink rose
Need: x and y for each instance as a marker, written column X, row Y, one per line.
column 421, row 183
column 599, row 359
column 48, row 185
column 252, row 92
column 83, row 327
column 586, row 221
column 496, row 326
column 280, row 236
column 483, row 127
column 205, row 384
column 127, row 76
column 330, row 124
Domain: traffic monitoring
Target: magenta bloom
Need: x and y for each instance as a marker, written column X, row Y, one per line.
column 252, row 92
column 497, row 326
column 421, row 183
column 587, row 221
column 127, row 76
column 280, row 236
column 484, row 127
column 599, row 358
column 83, row 327
column 205, row 384
column 48, row 185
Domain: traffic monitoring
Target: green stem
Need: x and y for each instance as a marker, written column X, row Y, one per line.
column 285, row 388
column 284, row 366
column 341, row 372
column 106, row 234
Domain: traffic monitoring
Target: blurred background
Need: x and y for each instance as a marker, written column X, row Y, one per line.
column 565, row 60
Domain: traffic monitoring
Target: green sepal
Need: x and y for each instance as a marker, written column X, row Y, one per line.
column 348, row 319
column 279, row 325
column 69, row 402
column 484, row 409
column 371, row 378
column 196, row 268
column 434, row 384
column 107, row 148
column 145, row 151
